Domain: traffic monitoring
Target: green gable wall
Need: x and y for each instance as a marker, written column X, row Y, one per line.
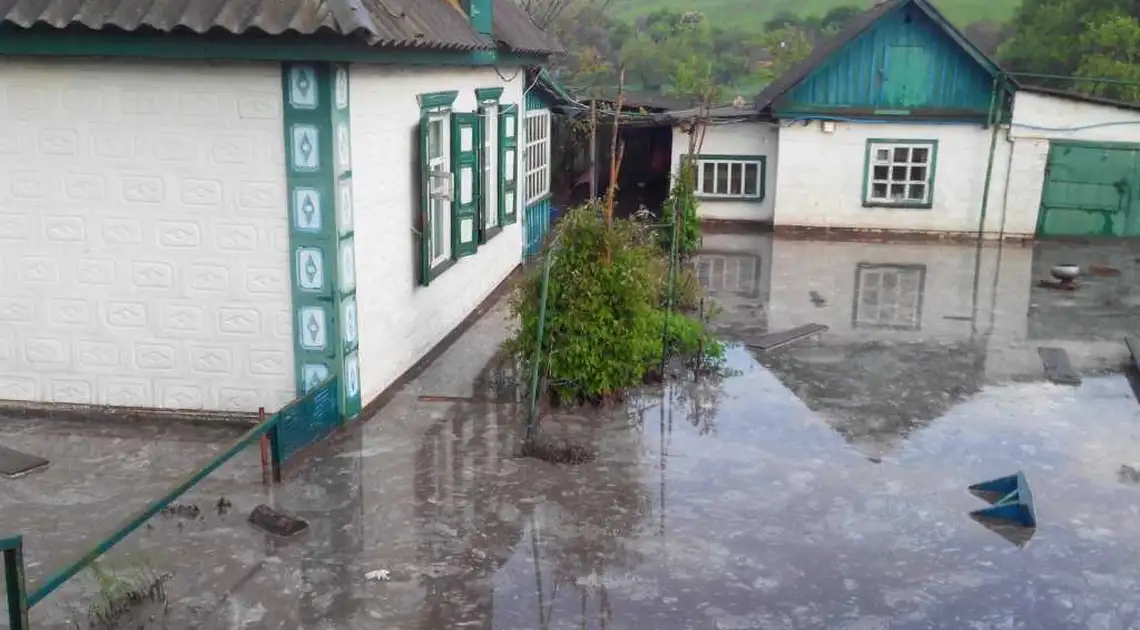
column 904, row 64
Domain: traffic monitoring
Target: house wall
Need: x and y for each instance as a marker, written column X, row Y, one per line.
column 399, row 319
column 745, row 138
column 1038, row 120
column 143, row 235
column 820, row 178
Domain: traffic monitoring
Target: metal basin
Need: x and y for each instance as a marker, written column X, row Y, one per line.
column 1065, row 273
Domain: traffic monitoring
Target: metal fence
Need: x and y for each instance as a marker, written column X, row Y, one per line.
column 301, row 423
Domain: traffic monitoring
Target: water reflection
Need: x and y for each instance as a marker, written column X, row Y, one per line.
column 888, row 296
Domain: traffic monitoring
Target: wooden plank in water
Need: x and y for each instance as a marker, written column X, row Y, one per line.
column 780, row 339
column 1058, row 367
column 1133, row 343
column 15, row 464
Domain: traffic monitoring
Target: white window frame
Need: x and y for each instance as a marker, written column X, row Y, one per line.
column 890, row 180
column 893, row 305
column 440, row 191
column 731, row 164
column 490, row 175
column 536, row 156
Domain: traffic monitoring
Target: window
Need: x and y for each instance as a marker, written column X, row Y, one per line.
column 536, row 155
column 900, row 173
column 889, row 296
column 730, row 177
column 489, row 116
column 439, row 202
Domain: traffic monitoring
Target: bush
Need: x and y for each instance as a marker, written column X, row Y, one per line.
column 683, row 199
column 604, row 313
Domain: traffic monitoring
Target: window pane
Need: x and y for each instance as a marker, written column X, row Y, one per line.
column 882, row 155
column 881, row 172
column 898, row 173
column 735, row 178
column 920, row 155
column 918, row 174
column 901, row 154
column 751, row 179
column 879, row 191
column 707, row 185
column 721, row 178
column 435, row 138
column 898, row 191
column 917, row 192
column 437, row 219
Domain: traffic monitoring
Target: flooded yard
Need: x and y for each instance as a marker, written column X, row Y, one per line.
column 822, row 486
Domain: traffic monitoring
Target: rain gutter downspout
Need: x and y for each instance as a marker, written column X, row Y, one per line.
column 991, row 118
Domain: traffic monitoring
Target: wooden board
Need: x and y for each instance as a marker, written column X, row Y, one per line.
column 14, row 463
column 1133, row 343
column 780, row 339
column 1058, row 367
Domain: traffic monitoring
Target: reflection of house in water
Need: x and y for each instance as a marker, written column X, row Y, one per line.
column 468, row 528
column 735, row 269
column 909, row 325
column 888, row 296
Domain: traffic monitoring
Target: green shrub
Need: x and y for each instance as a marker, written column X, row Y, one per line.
column 682, row 199
column 604, row 314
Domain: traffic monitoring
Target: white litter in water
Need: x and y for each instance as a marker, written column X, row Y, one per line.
column 379, row 575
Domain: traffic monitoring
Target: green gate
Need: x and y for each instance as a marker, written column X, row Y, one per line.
column 1091, row 189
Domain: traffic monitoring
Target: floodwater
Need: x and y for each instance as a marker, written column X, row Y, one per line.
column 823, row 486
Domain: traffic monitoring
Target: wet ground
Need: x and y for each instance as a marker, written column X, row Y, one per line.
column 823, row 486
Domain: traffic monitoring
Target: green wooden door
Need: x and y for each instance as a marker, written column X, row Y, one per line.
column 907, row 83
column 1091, row 190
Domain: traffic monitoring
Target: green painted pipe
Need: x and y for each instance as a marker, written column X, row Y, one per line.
column 13, row 551
column 136, row 520
column 991, row 120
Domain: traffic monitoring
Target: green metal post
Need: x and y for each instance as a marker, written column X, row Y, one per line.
column 13, row 548
column 669, row 291
column 532, row 413
column 991, row 121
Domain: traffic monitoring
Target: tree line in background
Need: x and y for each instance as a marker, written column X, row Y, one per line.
column 680, row 55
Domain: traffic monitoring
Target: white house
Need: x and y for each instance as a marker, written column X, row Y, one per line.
column 215, row 206
column 899, row 123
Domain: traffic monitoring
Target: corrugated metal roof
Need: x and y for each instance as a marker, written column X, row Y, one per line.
column 514, row 28
column 417, row 23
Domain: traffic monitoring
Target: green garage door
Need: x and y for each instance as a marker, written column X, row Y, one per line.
column 1091, row 190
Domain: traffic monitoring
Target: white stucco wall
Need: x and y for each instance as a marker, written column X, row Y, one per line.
column 143, row 235
column 819, row 181
column 743, row 138
column 399, row 320
column 1040, row 118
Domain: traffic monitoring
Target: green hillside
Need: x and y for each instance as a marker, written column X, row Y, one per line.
column 751, row 14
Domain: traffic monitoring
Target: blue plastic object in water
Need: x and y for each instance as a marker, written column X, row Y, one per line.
column 1012, row 500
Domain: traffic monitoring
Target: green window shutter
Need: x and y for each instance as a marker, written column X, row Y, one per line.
column 480, row 175
column 465, row 166
column 425, row 226
column 508, row 164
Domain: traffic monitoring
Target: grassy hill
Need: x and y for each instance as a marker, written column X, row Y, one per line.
column 751, row 14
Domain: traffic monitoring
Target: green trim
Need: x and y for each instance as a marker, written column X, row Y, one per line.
column 465, row 159
column 488, row 95
column 909, row 205
column 713, row 157
column 322, row 258
column 437, row 100
column 508, row 146
column 15, row 581
column 86, row 43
